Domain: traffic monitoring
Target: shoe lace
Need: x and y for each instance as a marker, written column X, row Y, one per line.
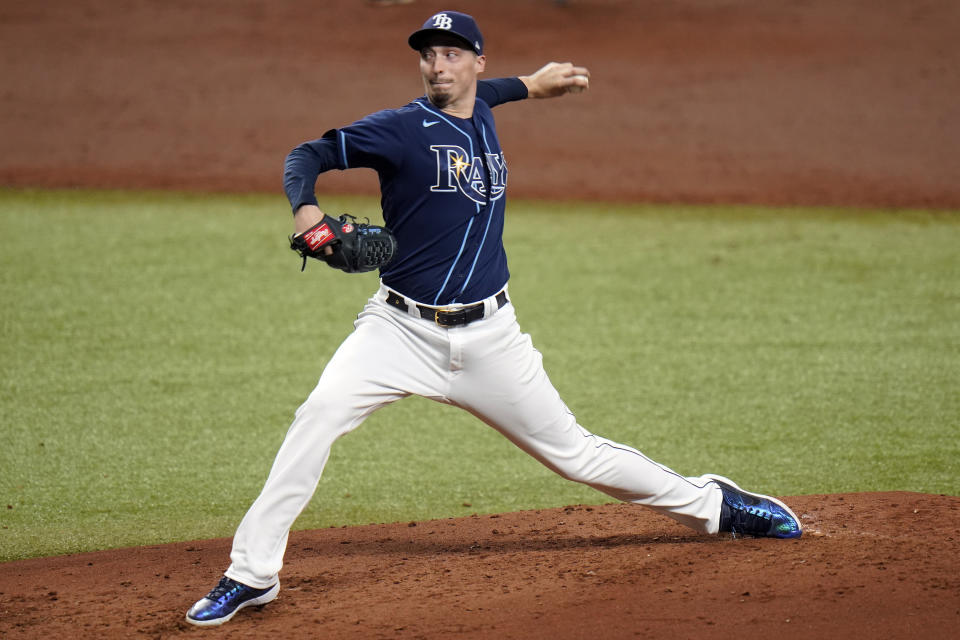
column 225, row 586
column 749, row 520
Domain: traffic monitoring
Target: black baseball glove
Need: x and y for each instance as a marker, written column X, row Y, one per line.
column 353, row 247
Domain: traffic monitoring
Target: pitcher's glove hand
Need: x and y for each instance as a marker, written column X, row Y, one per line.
column 354, row 247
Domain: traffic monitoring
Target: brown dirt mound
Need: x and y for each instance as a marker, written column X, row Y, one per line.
column 870, row 565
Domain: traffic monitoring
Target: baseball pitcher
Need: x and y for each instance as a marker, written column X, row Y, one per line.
column 442, row 324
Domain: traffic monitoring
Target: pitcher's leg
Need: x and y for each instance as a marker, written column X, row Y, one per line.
column 377, row 364
column 506, row 386
column 261, row 539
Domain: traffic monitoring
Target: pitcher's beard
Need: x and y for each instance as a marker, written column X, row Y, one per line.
column 440, row 100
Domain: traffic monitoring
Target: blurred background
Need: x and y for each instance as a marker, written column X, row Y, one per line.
column 850, row 102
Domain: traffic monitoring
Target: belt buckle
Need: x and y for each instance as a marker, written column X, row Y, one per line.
column 448, row 311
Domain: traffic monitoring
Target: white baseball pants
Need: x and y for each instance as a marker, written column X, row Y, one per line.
column 488, row 368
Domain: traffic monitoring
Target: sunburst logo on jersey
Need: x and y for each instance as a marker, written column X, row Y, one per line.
column 459, row 164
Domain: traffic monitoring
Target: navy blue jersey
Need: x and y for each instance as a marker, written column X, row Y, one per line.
column 443, row 185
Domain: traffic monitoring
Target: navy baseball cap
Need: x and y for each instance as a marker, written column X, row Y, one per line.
column 454, row 23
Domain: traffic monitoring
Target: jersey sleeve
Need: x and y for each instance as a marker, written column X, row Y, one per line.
column 303, row 165
column 373, row 142
column 501, row 90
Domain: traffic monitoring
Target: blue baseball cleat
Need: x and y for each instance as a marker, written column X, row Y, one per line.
column 753, row 514
column 226, row 599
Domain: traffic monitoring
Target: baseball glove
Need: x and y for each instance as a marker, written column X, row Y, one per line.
column 354, row 247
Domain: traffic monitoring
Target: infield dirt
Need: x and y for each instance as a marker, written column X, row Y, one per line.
column 812, row 103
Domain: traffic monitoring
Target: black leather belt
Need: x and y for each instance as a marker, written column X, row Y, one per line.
column 458, row 317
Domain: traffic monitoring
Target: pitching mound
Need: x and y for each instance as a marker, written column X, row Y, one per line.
column 873, row 565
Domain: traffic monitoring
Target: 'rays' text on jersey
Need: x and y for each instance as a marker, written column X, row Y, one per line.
column 457, row 171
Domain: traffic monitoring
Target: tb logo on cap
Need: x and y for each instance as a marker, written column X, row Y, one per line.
column 442, row 21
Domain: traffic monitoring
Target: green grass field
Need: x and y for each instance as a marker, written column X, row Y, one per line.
column 155, row 346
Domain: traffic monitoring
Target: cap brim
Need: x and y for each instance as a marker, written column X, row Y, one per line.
column 419, row 39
